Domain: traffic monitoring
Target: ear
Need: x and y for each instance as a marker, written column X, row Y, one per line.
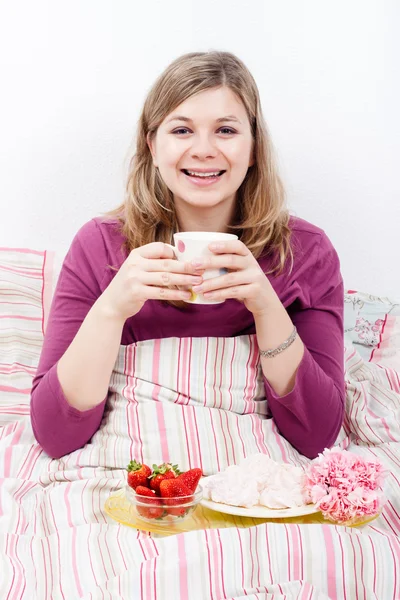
column 151, row 147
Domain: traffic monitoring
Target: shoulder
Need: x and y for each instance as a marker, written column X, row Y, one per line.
column 309, row 240
column 101, row 238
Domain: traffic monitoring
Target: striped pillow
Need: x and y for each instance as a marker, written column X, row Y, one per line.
column 25, row 296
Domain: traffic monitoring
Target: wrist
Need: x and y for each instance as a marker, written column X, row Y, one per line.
column 103, row 311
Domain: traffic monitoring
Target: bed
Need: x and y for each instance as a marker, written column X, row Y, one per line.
column 57, row 541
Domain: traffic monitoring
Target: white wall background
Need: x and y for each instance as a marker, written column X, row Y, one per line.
column 74, row 74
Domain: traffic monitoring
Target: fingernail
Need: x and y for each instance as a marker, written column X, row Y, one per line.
column 197, row 263
column 197, row 288
column 216, row 246
column 196, row 280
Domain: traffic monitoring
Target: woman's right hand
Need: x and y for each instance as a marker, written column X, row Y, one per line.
column 147, row 274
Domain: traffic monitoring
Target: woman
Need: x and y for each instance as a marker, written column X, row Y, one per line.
column 120, row 284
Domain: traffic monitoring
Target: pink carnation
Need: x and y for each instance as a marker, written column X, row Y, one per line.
column 344, row 486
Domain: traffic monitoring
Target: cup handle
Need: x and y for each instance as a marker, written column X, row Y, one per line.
column 173, row 249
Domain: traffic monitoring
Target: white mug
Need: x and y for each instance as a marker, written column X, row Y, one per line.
column 190, row 245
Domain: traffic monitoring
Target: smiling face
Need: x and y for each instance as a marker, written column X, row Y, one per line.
column 203, row 150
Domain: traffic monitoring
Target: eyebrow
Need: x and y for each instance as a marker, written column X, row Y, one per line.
column 188, row 120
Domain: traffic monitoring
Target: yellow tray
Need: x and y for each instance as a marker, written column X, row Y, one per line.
column 121, row 510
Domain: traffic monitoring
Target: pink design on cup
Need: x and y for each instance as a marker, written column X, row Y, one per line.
column 181, row 246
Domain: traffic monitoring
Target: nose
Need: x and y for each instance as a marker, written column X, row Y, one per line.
column 202, row 147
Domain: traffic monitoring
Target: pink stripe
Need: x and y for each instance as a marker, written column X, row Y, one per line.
column 249, row 531
column 183, row 574
column 214, row 387
column 228, row 430
column 58, row 545
column 219, row 413
column 21, row 250
column 222, row 562
column 45, row 568
column 74, row 565
column 215, row 438
column 241, row 559
column 17, row 368
column 33, row 273
column 178, row 384
column 231, row 375
column 205, row 373
column 184, row 370
column 7, row 461
column 159, row 407
column 194, row 453
column 333, row 592
column 247, row 396
column 385, row 425
column 239, row 435
column 26, row 470
column 22, row 409
column 214, row 573
column 21, row 575
column 9, row 388
column 261, row 443
column 297, row 559
column 22, row 318
column 9, row 552
column 200, row 462
column 221, row 374
column 133, row 421
column 90, row 554
column 257, row 558
column 278, row 440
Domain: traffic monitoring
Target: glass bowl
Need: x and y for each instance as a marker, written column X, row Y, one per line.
column 163, row 510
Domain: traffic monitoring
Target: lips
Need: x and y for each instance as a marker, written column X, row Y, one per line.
column 203, row 180
column 203, row 173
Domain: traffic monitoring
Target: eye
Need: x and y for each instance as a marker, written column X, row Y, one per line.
column 180, row 130
column 227, row 130
column 223, row 130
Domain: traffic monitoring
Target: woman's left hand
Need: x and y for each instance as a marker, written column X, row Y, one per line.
column 245, row 281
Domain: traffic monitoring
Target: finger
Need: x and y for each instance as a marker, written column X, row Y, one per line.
column 232, row 279
column 229, row 247
column 168, row 265
column 232, row 262
column 239, row 292
column 163, row 293
column 166, row 279
column 155, row 250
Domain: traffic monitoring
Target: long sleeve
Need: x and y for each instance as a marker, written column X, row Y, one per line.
column 58, row 427
column 310, row 416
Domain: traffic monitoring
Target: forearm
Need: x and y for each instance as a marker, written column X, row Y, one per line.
column 311, row 415
column 85, row 369
column 273, row 327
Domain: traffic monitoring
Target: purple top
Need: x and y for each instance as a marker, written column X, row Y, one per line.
column 309, row 417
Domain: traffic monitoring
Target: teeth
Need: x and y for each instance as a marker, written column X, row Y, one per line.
column 204, row 174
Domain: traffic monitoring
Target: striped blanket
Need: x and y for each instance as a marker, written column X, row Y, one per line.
column 199, row 402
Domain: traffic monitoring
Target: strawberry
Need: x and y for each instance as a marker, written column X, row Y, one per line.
column 141, row 490
column 143, row 494
column 138, row 474
column 161, row 472
column 191, row 478
column 173, row 490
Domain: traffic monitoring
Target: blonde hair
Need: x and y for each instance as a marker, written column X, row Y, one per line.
column 148, row 214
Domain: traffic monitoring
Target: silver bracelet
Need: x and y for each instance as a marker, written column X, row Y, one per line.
column 282, row 347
